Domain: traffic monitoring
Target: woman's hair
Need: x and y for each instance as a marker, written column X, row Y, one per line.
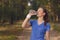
column 46, row 18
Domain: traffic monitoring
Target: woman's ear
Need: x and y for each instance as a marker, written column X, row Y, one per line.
column 43, row 13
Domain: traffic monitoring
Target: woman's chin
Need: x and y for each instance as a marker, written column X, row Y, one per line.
column 39, row 16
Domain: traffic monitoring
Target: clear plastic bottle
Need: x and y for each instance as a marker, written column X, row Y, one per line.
column 33, row 11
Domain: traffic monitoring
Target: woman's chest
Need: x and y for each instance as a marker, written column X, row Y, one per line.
column 40, row 28
column 37, row 27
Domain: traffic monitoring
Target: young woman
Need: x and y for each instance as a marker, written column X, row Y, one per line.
column 40, row 27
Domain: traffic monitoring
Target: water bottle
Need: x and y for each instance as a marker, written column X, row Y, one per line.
column 33, row 12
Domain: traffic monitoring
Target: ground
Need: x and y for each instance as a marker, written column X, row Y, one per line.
column 13, row 32
column 26, row 35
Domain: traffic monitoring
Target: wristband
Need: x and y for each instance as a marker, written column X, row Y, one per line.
column 28, row 16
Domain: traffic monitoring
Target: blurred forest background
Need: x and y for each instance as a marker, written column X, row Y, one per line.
column 13, row 12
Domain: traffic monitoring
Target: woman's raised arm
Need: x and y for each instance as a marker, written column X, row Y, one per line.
column 26, row 21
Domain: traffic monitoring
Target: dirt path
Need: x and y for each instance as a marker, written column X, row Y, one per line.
column 26, row 35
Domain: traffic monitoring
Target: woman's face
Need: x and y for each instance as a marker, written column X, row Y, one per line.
column 40, row 12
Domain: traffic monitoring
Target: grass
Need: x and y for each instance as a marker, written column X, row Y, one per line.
column 9, row 32
column 11, row 37
column 56, row 26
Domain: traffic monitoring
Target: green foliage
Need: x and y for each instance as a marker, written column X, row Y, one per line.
column 56, row 27
column 17, row 9
column 11, row 37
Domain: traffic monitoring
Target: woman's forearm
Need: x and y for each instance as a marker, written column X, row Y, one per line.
column 25, row 22
column 47, row 38
column 48, row 35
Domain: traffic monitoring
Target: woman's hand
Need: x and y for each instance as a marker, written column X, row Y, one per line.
column 28, row 16
column 32, row 12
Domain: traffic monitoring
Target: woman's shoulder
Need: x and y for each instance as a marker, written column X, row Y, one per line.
column 48, row 24
column 32, row 19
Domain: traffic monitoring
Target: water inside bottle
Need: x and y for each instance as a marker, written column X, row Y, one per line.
column 33, row 11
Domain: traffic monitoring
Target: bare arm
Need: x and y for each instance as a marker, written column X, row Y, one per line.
column 26, row 23
column 47, row 35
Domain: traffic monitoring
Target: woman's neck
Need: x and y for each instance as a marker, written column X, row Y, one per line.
column 40, row 19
